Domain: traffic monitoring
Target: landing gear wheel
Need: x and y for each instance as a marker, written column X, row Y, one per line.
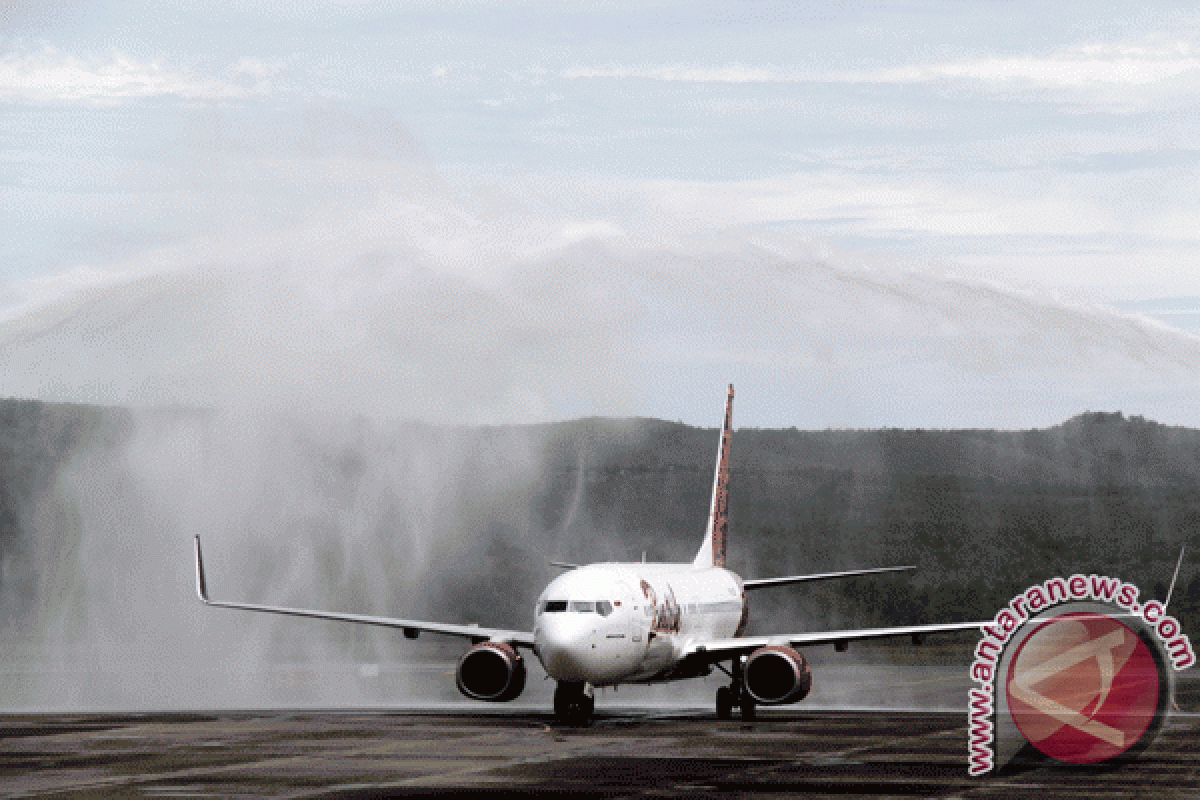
column 724, row 703
column 579, row 712
column 573, row 705
column 747, row 708
column 562, row 696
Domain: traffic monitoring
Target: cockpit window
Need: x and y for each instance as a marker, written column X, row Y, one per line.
column 602, row 607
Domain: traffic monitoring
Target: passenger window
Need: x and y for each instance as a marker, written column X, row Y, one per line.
column 604, row 608
column 586, row 606
column 555, row 605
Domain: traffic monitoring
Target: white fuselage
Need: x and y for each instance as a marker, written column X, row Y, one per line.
column 606, row 624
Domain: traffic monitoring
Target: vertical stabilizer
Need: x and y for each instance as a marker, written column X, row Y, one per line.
column 712, row 551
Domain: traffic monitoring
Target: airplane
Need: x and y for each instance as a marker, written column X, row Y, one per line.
column 602, row 625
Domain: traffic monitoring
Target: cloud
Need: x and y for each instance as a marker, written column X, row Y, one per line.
column 732, row 73
column 48, row 76
column 328, row 187
column 992, row 203
column 1157, row 62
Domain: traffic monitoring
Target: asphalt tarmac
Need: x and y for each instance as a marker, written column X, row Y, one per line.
column 625, row 753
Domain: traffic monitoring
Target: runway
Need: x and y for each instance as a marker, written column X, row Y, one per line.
column 625, row 753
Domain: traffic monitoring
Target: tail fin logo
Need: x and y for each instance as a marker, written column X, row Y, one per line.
column 712, row 550
column 720, row 506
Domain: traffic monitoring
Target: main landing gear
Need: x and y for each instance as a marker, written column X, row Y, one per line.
column 735, row 695
column 574, row 703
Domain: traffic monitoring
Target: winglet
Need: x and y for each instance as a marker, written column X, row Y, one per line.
column 201, row 588
column 1174, row 577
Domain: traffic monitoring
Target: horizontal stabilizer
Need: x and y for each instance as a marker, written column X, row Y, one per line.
column 765, row 583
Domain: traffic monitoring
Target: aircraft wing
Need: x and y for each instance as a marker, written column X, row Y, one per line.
column 713, row 650
column 410, row 627
column 764, row 583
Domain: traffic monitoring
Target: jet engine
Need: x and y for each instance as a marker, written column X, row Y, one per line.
column 777, row 674
column 492, row 671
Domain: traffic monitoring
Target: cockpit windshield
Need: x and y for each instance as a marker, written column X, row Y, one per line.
column 601, row 607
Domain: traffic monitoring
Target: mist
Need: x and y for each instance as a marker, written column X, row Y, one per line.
column 458, row 524
column 599, row 329
column 322, row 258
column 323, row 511
column 376, row 433
column 319, row 512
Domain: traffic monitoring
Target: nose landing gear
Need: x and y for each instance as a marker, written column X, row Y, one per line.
column 735, row 695
column 574, row 703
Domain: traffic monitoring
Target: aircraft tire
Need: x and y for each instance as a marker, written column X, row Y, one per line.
column 747, row 707
column 572, row 705
column 579, row 712
column 724, row 703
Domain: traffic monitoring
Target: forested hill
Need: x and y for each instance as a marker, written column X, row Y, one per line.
column 460, row 522
column 982, row 513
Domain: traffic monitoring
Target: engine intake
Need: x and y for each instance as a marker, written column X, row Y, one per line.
column 492, row 671
column 777, row 674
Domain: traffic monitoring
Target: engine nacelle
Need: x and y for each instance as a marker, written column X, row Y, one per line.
column 492, row 671
column 777, row 674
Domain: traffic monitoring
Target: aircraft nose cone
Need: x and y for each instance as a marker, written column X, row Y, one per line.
column 563, row 650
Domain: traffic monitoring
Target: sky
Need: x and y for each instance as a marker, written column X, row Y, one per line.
column 863, row 214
